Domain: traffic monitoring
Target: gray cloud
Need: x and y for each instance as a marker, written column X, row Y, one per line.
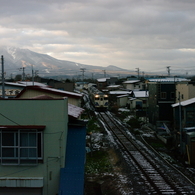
column 149, row 34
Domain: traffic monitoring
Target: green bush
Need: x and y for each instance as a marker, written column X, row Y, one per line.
column 134, row 123
column 92, row 125
column 97, row 162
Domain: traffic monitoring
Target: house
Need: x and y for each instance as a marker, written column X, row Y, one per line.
column 101, row 83
column 104, row 82
column 113, row 87
column 185, row 90
column 32, row 91
column 49, row 158
column 66, row 86
column 139, row 100
column 13, row 89
column 161, row 97
column 133, row 85
column 33, row 144
column 184, row 114
column 184, row 125
column 122, row 100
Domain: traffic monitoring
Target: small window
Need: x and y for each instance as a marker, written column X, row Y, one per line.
column 163, row 95
column 21, row 147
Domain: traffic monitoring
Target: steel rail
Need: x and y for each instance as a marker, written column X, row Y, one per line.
column 154, row 175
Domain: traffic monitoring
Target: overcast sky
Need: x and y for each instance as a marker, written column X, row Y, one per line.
column 145, row 34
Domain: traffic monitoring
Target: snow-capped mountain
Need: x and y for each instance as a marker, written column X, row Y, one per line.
column 15, row 59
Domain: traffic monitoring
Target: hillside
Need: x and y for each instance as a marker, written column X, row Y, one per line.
column 47, row 66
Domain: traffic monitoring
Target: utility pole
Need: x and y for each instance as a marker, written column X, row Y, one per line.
column 180, row 124
column 33, row 79
column 23, row 74
column 168, row 70
column 3, row 79
column 83, row 71
column 104, row 73
column 137, row 72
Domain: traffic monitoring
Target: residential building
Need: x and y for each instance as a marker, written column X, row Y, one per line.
column 185, row 90
column 66, row 86
column 184, row 125
column 122, row 100
column 104, row 82
column 33, row 145
column 33, row 91
column 42, row 146
column 13, row 89
column 184, row 111
column 161, row 97
column 139, row 100
column 134, row 85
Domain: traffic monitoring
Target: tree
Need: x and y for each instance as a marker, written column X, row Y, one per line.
column 18, row 77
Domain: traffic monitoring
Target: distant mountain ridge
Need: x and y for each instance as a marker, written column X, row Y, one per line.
column 15, row 59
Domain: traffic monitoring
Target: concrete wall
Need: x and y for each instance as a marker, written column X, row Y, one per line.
column 187, row 91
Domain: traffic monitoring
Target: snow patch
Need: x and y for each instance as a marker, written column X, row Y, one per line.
column 12, row 51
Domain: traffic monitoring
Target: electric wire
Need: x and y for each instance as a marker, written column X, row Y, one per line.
column 9, row 119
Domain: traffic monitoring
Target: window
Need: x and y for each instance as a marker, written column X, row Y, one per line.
column 21, row 146
column 163, row 95
column 172, row 95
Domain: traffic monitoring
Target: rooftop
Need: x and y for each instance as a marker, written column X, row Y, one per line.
column 50, row 90
column 131, row 81
column 139, row 94
column 120, row 92
column 184, row 103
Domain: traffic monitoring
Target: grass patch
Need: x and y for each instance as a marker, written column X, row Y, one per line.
column 93, row 126
column 98, row 162
column 156, row 144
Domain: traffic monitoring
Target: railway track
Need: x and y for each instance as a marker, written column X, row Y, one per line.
column 162, row 178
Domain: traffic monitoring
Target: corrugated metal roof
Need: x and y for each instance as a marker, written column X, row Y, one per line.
column 30, row 83
column 184, row 103
column 74, row 111
column 102, row 80
column 51, row 90
column 15, row 84
column 119, row 92
column 172, row 79
column 120, row 96
column 113, row 86
column 131, row 81
column 139, row 94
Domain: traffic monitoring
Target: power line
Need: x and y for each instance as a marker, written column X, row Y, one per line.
column 9, row 119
